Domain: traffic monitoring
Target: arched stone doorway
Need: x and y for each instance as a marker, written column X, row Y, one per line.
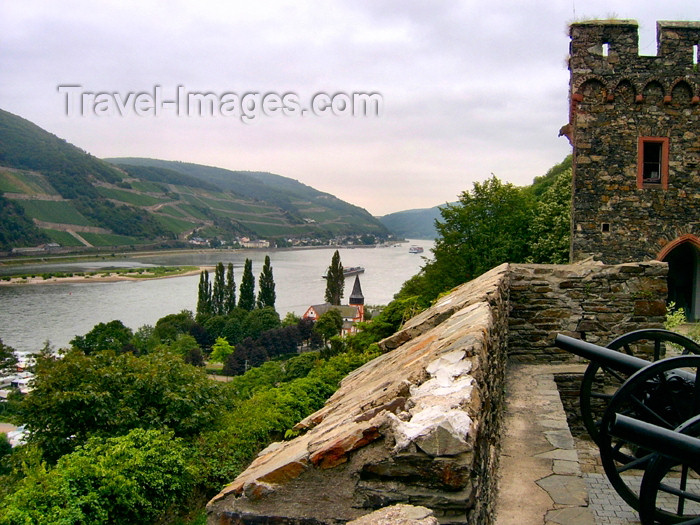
column 683, row 258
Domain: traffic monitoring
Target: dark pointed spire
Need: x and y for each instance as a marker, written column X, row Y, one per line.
column 356, row 296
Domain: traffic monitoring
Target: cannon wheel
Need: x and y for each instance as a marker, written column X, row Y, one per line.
column 600, row 383
column 678, row 486
column 656, row 394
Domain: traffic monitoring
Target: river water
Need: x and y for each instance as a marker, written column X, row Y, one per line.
column 30, row 315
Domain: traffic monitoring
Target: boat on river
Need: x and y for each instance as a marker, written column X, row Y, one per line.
column 353, row 270
column 350, row 270
column 415, row 249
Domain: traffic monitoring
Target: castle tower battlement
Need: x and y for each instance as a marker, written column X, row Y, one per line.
column 609, row 51
column 634, row 123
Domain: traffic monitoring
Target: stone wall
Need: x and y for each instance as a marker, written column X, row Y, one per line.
column 617, row 100
column 418, row 425
column 590, row 301
column 421, row 424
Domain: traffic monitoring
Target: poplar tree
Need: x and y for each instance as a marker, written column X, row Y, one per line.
column 230, row 293
column 218, row 291
column 246, row 300
column 204, row 295
column 266, row 286
column 335, row 280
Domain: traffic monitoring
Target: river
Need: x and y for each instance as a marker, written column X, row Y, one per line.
column 30, row 315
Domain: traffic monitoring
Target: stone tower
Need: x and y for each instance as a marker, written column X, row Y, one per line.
column 634, row 124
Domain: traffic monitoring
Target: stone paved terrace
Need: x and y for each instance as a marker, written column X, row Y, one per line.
column 544, row 477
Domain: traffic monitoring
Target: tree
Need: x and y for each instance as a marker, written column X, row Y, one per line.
column 246, row 301
column 169, row 327
column 335, row 280
column 230, row 293
column 104, row 336
column 328, row 324
column 266, row 286
column 551, row 225
column 291, row 319
column 220, row 350
column 204, row 306
column 186, row 347
column 8, row 359
column 218, row 293
column 81, row 396
column 134, row 478
column 260, row 320
column 488, row 226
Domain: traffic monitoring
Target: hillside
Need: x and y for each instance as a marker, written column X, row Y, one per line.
column 413, row 224
column 301, row 204
column 55, row 192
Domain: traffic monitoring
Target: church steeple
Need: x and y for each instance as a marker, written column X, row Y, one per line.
column 356, row 297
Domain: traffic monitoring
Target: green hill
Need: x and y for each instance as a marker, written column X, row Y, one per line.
column 301, row 204
column 413, row 224
column 54, row 191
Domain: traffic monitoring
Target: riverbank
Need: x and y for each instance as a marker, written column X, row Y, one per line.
column 140, row 274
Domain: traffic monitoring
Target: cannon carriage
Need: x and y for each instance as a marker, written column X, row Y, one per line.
column 618, row 386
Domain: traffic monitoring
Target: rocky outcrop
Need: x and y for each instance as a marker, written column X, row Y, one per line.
column 417, row 425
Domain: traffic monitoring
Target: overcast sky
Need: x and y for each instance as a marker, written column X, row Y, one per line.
column 468, row 88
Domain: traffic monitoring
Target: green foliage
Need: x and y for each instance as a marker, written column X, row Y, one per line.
column 675, row 317
column 246, row 299
column 488, row 226
column 266, row 286
column 218, row 291
column 16, row 229
column 269, row 414
column 220, row 350
column 8, row 359
column 130, row 197
column 496, row 223
column 80, row 396
column 204, row 296
column 261, row 320
column 329, row 324
column 122, row 480
column 335, row 280
column 168, row 328
column 290, row 319
column 186, row 347
column 166, row 176
column 384, row 324
column 230, row 291
column 121, row 219
column 551, row 224
column 104, row 336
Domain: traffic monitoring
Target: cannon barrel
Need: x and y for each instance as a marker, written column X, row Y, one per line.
column 681, row 447
column 618, row 361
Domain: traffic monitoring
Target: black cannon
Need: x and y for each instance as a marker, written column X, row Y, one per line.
column 664, row 393
column 670, row 487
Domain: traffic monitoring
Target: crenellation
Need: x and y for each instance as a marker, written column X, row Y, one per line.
column 633, row 125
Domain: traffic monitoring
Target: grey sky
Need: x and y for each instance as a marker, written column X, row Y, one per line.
column 469, row 88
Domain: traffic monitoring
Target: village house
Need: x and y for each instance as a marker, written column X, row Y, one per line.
column 352, row 313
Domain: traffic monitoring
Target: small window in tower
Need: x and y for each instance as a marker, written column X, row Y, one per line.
column 605, row 227
column 652, row 169
column 606, row 49
column 695, row 54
